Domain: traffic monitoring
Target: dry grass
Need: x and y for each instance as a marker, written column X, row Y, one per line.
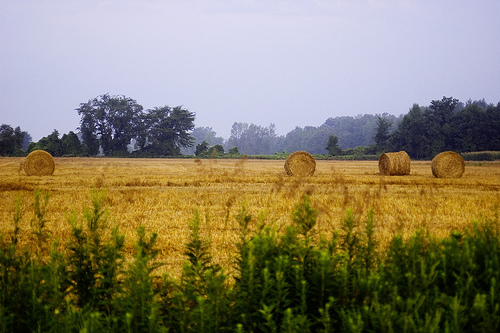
column 162, row 194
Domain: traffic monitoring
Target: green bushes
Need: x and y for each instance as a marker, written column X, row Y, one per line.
column 292, row 280
column 481, row 156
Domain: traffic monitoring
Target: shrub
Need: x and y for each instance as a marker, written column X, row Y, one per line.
column 285, row 280
column 481, row 156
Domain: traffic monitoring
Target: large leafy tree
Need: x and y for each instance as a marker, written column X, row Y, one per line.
column 165, row 130
column 440, row 114
column 109, row 122
column 11, row 140
column 71, row 145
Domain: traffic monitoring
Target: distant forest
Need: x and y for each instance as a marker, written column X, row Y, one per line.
column 118, row 126
column 253, row 139
column 423, row 132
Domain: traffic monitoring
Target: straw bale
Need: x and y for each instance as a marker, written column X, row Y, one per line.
column 300, row 163
column 39, row 163
column 448, row 164
column 394, row 164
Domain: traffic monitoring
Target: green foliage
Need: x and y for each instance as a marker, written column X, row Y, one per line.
column 290, row 280
column 201, row 149
column 332, row 146
column 38, row 221
column 95, row 262
column 201, row 300
column 11, row 140
column 253, row 139
column 137, row 300
column 165, row 130
column 51, row 143
column 304, row 217
column 215, row 151
column 234, row 151
column 200, row 134
column 382, row 133
column 447, row 125
column 71, row 145
column 109, row 122
column 481, row 156
column 359, row 153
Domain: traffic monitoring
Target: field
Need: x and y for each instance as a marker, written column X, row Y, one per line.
column 163, row 194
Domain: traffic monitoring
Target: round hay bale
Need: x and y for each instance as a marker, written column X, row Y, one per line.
column 39, row 163
column 394, row 164
column 448, row 164
column 300, row 163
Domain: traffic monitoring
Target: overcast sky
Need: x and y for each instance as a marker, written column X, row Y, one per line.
column 290, row 62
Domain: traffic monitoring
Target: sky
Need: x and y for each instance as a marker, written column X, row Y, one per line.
column 288, row 62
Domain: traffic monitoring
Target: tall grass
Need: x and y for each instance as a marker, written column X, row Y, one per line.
column 291, row 280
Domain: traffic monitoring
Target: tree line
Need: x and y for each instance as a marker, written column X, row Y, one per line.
column 425, row 131
column 118, row 126
column 447, row 124
column 251, row 139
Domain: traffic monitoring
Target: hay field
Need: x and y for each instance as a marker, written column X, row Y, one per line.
column 162, row 194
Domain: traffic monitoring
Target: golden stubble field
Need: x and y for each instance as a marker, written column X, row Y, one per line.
column 162, row 195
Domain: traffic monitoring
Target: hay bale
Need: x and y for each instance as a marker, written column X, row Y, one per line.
column 300, row 163
column 39, row 163
column 394, row 164
column 448, row 164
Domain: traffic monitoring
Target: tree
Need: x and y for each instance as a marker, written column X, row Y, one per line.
column 71, row 145
column 215, row 151
column 253, row 139
column 382, row 132
column 440, row 117
column 443, row 109
column 332, row 146
column 167, row 130
column 201, row 149
column 54, row 144
column 11, row 140
column 234, row 151
column 353, row 131
column 201, row 134
column 411, row 134
column 50, row 143
column 109, row 122
column 476, row 127
column 426, row 131
column 493, row 128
